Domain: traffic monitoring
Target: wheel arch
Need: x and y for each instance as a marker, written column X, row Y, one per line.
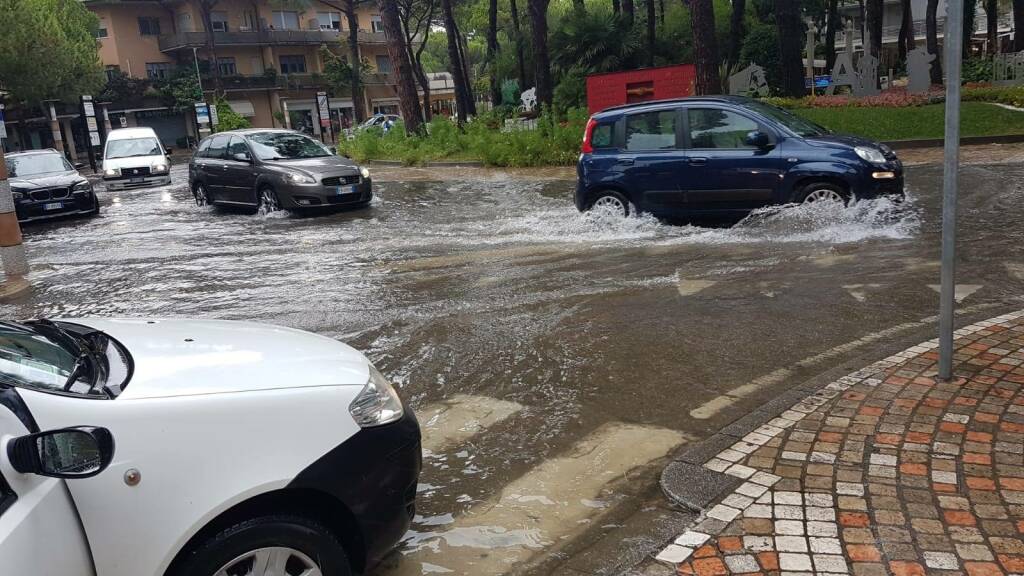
column 592, row 192
column 824, row 177
column 305, row 502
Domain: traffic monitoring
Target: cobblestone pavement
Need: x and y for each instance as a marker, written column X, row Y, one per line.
column 884, row 471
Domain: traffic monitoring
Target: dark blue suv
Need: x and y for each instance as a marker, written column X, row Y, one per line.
column 723, row 154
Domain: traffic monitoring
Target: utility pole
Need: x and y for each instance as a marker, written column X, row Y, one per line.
column 950, row 173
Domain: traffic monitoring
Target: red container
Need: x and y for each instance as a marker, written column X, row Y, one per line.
column 617, row 88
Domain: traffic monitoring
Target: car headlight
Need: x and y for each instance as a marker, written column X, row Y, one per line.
column 112, row 172
column 299, row 178
column 17, row 194
column 365, row 173
column 377, row 403
column 159, row 168
column 870, row 154
column 82, row 187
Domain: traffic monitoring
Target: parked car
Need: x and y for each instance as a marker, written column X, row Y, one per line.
column 45, row 185
column 135, row 158
column 275, row 169
column 197, row 448
column 725, row 154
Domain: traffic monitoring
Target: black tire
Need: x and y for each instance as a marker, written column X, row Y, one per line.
column 612, row 200
column 95, row 207
column 818, row 191
column 200, row 194
column 305, row 535
column 267, row 201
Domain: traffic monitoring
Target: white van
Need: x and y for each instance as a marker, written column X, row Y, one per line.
column 134, row 158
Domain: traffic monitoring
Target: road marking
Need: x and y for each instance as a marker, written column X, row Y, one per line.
column 540, row 509
column 859, row 292
column 960, row 291
column 453, row 420
column 688, row 287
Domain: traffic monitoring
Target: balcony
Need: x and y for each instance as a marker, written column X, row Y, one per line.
column 188, row 40
column 236, row 82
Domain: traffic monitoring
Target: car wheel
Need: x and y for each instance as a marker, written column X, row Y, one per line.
column 199, row 192
column 823, row 192
column 269, row 546
column 610, row 201
column 95, row 207
column 267, row 202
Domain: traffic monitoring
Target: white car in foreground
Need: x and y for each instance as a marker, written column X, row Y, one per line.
column 199, row 448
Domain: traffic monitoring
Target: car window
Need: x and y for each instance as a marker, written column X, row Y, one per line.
column 133, row 147
column 32, row 164
column 285, row 146
column 237, row 146
column 800, row 126
column 714, row 128
column 601, row 137
column 651, row 130
column 218, row 147
column 203, row 147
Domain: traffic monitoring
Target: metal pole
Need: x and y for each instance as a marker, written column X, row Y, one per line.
column 199, row 79
column 953, row 34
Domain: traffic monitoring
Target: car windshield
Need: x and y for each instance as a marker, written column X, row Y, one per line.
column 285, row 146
column 133, row 147
column 799, row 126
column 62, row 357
column 32, row 164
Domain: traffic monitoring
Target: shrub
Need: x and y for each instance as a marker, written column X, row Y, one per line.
column 977, row 70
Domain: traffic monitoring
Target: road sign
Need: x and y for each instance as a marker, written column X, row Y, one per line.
column 323, row 106
column 124, row 121
column 3, row 127
column 94, row 138
column 202, row 113
column 90, row 123
column 89, row 113
column 87, row 106
column 213, row 115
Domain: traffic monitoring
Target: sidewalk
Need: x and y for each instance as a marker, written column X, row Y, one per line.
column 884, row 471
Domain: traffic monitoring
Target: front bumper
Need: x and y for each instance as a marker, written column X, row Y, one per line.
column 34, row 210
column 375, row 474
column 295, row 197
column 121, row 183
column 870, row 187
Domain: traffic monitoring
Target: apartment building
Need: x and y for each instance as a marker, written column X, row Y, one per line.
column 268, row 58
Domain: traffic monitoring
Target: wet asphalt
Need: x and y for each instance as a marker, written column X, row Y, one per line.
column 492, row 286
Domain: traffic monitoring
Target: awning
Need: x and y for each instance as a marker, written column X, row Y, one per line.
column 242, row 107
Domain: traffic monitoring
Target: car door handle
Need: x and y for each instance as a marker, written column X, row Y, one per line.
column 698, row 161
column 626, row 161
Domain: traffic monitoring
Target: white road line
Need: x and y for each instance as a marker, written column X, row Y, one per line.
column 540, row 509
column 960, row 291
column 688, row 287
column 453, row 420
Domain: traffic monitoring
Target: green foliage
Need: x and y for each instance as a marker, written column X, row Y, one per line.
column 581, row 42
column 1009, row 95
column 228, row 119
column 976, row 119
column 761, row 46
column 338, row 73
column 977, row 70
column 181, row 89
column 571, row 92
column 510, row 92
column 122, row 89
column 551, row 143
column 48, row 50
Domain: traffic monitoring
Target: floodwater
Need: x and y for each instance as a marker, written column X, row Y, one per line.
column 555, row 359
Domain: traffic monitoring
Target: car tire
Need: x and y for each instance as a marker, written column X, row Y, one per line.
column 95, row 207
column 822, row 191
column 611, row 200
column 200, row 195
column 298, row 543
column 266, row 201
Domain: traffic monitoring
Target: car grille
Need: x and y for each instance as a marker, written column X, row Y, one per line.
column 132, row 172
column 340, row 180
column 51, row 194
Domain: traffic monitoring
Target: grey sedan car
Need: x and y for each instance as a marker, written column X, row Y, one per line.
column 270, row 170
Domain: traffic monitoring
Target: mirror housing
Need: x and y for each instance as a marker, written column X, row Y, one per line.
column 757, row 139
column 79, row 452
column 79, row 165
column 241, row 157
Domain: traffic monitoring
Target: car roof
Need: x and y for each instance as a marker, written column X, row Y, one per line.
column 32, row 153
column 130, row 133
column 654, row 104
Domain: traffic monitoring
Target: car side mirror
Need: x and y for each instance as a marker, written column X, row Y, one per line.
column 757, row 139
column 169, row 150
column 241, row 157
column 79, row 165
column 78, row 452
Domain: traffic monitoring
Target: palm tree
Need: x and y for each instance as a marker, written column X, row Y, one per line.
column 705, row 48
column 932, row 39
column 538, row 10
column 398, row 51
column 790, row 29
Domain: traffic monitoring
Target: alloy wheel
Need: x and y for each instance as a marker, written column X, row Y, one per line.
column 611, row 204
column 200, row 195
column 824, row 195
column 268, row 202
column 273, row 561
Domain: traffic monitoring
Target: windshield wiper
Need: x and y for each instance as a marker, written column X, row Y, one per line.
column 85, row 357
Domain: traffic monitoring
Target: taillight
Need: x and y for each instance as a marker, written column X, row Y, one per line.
column 588, row 133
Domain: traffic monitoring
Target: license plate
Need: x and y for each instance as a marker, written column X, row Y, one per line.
column 53, row 206
column 346, row 190
column 136, row 180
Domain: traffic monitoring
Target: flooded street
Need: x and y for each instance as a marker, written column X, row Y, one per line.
column 554, row 359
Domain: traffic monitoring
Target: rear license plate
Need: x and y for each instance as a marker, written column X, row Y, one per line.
column 136, row 180
column 346, row 190
column 53, row 206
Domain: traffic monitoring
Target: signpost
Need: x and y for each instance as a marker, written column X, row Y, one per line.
column 202, row 118
column 951, row 164
column 3, row 126
column 91, row 128
column 213, row 115
column 324, row 111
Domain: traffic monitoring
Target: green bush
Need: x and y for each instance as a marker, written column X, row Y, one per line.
column 228, row 119
column 977, row 70
column 1009, row 95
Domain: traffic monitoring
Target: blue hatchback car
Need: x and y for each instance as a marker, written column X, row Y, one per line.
column 723, row 154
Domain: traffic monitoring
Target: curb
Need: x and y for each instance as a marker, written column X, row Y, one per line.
column 12, row 287
column 400, row 164
column 687, row 483
column 964, row 141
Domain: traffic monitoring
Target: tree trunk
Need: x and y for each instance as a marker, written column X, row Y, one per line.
column 832, row 23
column 790, row 28
column 992, row 25
column 651, row 31
column 355, row 61
column 520, row 57
column 661, row 10
column 736, row 30
column 1018, row 25
column 705, row 48
column 874, row 27
column 492, row 51
column 628, row 11
column 205, row 9
column 417, row 60
column 398, row 51
column 578, row 5
column 970, row 12
column 906, row 37
column 932, row 40
column 455, row 62
column 616, row 7
column 466, row 69
column 538, row 10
